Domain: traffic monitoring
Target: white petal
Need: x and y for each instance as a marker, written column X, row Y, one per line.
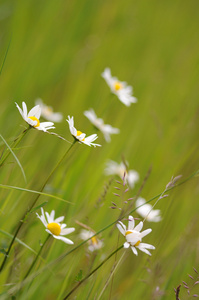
column 126, row 245
column 131, row 223
column 134, row 251
column 147, row 246
column 67, row 231
column 64, row 239
column 144, row 250
column 121, row 227
column 52, row 215
column 24, row 109
column 35, row 112
column 139, row 227
column 59, row 220
column 145, row 232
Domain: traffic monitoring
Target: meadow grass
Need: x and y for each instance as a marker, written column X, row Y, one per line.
column 57, row 51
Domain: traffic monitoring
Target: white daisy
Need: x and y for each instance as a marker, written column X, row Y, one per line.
column 146, row 211
column 113, row 168
column 79, row 136
column 47, row 112
column 119, row 88
column 94, row 242
column 54, row 226
column 134, row 236
column 106, row 129
column 32, row 118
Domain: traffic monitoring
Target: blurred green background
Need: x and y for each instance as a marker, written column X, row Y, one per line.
column 57, row 51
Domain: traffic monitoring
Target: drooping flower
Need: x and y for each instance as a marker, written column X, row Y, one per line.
column 119, row 88
column 106, row 129
column 113, row 168
column 54, row 226
column 48, row 113
column 32, row 118
column 79, row 136
column 146, row 211
column 134, row 236
column 94, row 242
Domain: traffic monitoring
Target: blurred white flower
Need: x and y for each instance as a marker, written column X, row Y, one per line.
column 32, row 118
column 106, row 129
column 94, row 242
column 79, row 136
column 134, row 236
column 113, row 168
column 54, row 226
column 146, row 211
column 47, row 112
column 119, row 88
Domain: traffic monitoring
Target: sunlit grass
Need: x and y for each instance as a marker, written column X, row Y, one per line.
column 57, row 51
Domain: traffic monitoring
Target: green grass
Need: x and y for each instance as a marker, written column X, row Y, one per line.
column 57, row 50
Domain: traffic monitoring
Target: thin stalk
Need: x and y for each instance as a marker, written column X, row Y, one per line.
column 36, row 258
column 31, row 207
column 91, row 273
column 57, row 260
column 15, row 143
column 111, row 275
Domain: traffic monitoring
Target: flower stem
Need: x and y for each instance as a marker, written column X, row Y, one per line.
column 36, row 258
column 31, row 207
column 92, row 272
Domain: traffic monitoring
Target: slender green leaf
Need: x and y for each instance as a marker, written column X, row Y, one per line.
column 18, row 162
column 32, row 191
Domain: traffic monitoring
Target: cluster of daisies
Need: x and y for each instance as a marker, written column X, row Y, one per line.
column 119, row 88
column 132, row 233
column 54, row 226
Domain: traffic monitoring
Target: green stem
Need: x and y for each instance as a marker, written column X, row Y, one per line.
column 91, row 273
column 36, row 258
column 31, row 207
column 57, row 260
column 15, row 143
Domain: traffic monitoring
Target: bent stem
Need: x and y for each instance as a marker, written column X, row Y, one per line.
column 91, row 273
column 33, row 204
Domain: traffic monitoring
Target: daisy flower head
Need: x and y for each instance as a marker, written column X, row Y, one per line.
column 119, row 88
column 146, row 211
column 134, row 236
column 113, row 168
column 79, row 136
column 48, row 113
column 94, row 242
column 106, row 129
column 54, row 226
column 32, row 117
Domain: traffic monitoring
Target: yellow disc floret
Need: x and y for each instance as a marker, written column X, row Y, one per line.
column 94, row 240
column 35, row 119
column 117, row 86
column 128, row 232
column 79, row 133
column 54, row 228
column 137, row 244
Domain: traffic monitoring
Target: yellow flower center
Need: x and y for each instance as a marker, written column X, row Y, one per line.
column 35, row 119
column 94, row 240
column 117, row 85
column 54, row 228
column 79, row 133
column 137, row 244
column 128, row 232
